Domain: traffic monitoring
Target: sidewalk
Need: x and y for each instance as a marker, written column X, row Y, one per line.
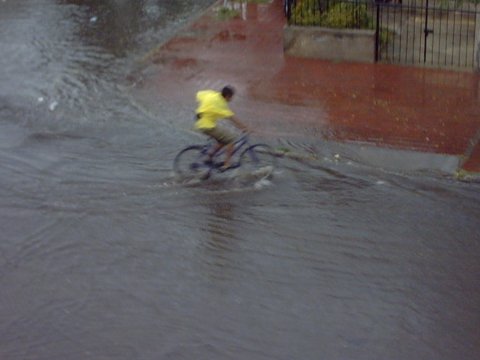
column 402, row 108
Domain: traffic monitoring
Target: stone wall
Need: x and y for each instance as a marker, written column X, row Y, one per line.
column 330, row 44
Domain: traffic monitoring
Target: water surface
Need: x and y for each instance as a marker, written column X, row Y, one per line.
column 104, row 255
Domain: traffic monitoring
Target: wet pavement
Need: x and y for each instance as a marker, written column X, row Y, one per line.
column 429, row 111
column 105, row 254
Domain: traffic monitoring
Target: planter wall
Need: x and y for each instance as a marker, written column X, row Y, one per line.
column 329, row 44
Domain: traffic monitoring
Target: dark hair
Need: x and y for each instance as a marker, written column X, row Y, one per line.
column 228, row 91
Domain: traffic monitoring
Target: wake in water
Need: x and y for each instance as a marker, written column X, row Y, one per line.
column 234, row 180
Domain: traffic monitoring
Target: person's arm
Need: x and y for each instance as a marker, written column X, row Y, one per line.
column 238, row 124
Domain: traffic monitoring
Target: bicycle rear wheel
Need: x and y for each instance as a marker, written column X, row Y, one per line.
column 257, row 157
column 191, row 162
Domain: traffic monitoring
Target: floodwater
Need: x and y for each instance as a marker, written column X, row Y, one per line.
column 104, row 255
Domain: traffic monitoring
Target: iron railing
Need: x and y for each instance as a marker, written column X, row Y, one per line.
column 437, row 33
column 441, row 33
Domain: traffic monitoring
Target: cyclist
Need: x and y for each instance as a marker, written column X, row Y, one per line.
column 212, row 107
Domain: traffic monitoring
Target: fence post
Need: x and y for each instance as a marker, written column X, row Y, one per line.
column 377, row 33
column 476, row 65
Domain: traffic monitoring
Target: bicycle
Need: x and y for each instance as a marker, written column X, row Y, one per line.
column 194, row 160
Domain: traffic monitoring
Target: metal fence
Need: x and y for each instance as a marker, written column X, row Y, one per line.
column 430, row 32
column 439, row 33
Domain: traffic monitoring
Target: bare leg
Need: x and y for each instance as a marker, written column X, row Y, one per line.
column 216, row 149
column 228, row 156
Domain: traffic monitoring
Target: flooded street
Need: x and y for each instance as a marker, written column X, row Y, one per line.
column 104, row 255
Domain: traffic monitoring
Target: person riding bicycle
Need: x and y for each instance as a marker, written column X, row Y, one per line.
column 212, row 107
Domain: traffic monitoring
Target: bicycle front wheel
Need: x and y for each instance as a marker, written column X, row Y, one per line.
column 257, row 157
column 191, row 162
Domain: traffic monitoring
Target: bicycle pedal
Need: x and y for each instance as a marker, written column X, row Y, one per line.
column 223, row 169
column 205, row 176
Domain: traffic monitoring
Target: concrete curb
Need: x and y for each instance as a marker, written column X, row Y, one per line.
column 189, row 22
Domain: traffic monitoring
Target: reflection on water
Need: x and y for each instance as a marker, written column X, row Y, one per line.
column 121, row 26
column 219, row 246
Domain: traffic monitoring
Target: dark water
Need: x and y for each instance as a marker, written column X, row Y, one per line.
column 104, row 256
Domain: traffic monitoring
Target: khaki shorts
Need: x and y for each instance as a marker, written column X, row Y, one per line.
column 221, row 135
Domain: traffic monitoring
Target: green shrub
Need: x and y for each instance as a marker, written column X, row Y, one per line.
column 305, row 12
column 225, row 13
column 251, row 1
column 347, row 15
column 386, row 35
column 338, row 15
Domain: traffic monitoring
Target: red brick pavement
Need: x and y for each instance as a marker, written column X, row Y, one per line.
column 392, row 106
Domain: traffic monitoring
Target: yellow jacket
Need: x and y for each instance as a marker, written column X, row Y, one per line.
column 212, row 107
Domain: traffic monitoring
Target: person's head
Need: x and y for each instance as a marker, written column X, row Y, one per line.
column 227, row 92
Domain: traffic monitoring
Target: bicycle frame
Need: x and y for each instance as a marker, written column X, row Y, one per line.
column 237, row 145
column 204, row 162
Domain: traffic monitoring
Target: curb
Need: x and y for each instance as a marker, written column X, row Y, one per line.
column 189, row 22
